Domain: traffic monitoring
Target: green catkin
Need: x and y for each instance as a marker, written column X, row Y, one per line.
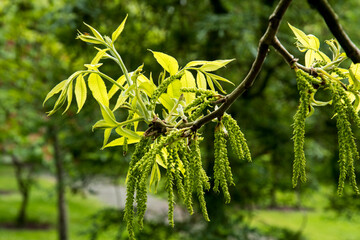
column 305, row 89
column 138, row 166
column 178, row 177
column 162, row 88
column 183, row 151
column 170, row 186
column 220, row 160
column 199, row 110
column 237, row 138
column 207, row 93
column 198, row 100
column 141, row 191
column 140, row 150
column 195, row 160
column 347, row 147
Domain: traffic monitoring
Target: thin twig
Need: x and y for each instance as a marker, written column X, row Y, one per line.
column 333, row 23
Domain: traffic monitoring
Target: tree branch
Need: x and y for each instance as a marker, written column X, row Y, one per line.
column 332, row 21
column 266, row 40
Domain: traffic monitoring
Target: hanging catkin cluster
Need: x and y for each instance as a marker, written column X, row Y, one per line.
column 348, row 153
column 305, row 89
column 184, row 172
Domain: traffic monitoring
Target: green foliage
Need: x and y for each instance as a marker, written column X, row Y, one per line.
column 167, row 142
column 344, row 86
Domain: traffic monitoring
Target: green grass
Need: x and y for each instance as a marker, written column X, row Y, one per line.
column 314, row 224
column 42, row 209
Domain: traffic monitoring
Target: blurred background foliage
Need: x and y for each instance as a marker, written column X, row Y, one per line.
column 38, row 49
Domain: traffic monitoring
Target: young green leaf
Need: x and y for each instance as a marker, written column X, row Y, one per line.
column 168, row 62
column 98, row 56
column 188, row 81
column 130, row 134
column 69, row 94
column 215, row 65
column 95, row 32
column 55, row 90
column 107, row 133
column 121, row 80
column 80, row 92
column 120, row 141
column 166, row 101
column 200, row 80
column 119, row 30
column 98, row 89
column 303, row 40
column 108, row 115
column 174, row 89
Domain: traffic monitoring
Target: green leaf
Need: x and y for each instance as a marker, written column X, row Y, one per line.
column 309, row 58
column 121, row 80
column 108, row 115
column 59, row 103
column 147, row 87
column 130, row 134
column 168, row 62
column 215, row 65
column 80, row 92
column 107, row 133
column 188, row 81
column 218, row 85
column 98, row 56
column 166, row 101
column 303, row 40
column 119, row 30
column 55, row 90
column 313, row 42
column 354, row 76
column 210, row 83
column 120, row 141
column 196, row 63
column 121, row 100
column 69, row 94
column 155, row 176
column 98, row 89
column 95, row 32
column 174, row 89
column 102, row 124
column 200, row 80
column 159, row 160
column 217, row 77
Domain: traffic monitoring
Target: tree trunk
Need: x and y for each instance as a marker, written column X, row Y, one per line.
column 24, row 188
column 60, row 187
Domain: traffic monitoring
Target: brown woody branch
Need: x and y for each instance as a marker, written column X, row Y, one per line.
column 332, row 21
column 266, row 40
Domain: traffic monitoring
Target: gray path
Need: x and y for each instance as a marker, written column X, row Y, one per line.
column 157, row 208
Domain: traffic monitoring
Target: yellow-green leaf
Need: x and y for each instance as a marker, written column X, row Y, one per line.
column 102, row 124
column 196, row 63
column 155, row 176
column 188, row 81
column 309, row 58
column 215, row 65
column 120, row 141
column 107, row 133
column 108, row 115
column 313, row 42
column 119, row 30
column 80, row 92
column 115, row 88
column 168, row 62
column 130, row 134
column 200, row 80
column 69, row 94
column 174, row 89
column 166, row 101
column 303, row 40
column 98, row 56
column 55, row 90
column 98, row 89
column 95, row 32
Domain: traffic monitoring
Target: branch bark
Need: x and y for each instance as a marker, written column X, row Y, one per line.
column 333, row 23
column 266, row 40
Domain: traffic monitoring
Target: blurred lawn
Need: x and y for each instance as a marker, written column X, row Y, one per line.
column 314, row 224
column 42, row 209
